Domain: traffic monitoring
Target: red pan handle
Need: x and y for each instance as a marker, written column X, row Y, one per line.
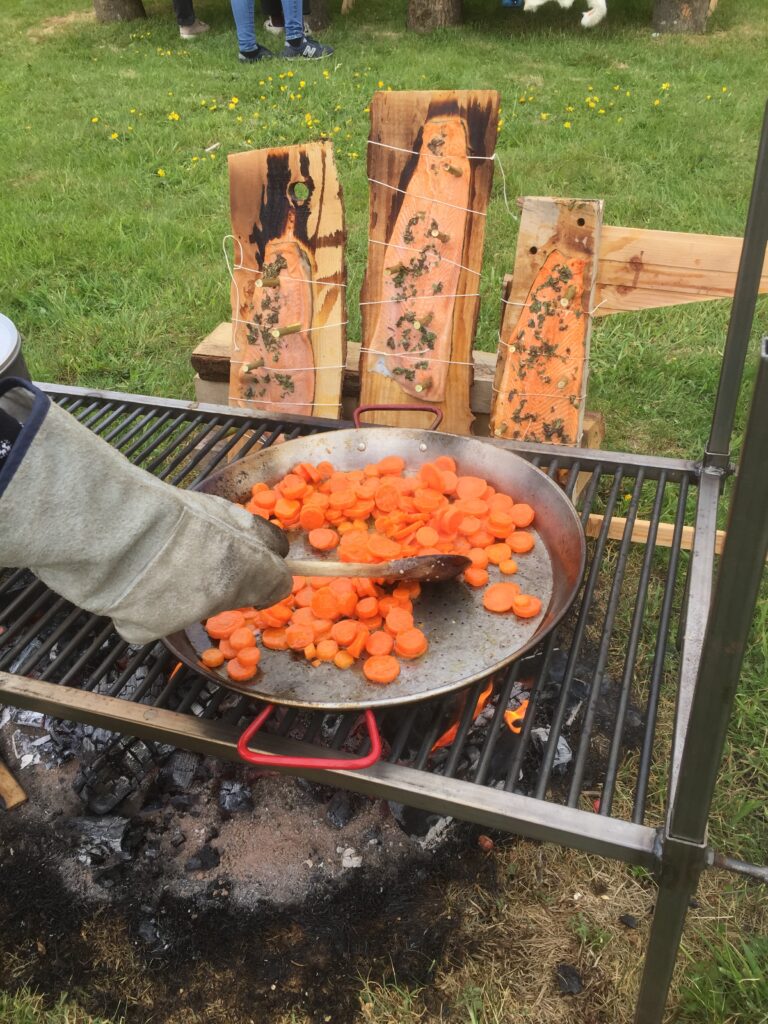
column 361, row 409
column 280, row 761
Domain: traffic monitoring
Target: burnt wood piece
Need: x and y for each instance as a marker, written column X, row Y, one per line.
column 428, row 201
column 289, row 287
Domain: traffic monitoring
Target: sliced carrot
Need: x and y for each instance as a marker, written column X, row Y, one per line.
column 500, row 524
column 522, row 515
column 240, row 673
column 260, row 486
column 356, row 648
column 310, row 652
column 381, row 669
column 411, row 643
column 212, row 657
column 508, row 566
column 299, row 635
column 431, row 477
column 526, row 606
column 366, row 607
column 344, row 631
column 426, row 499
column 387, row 498
column 372, row 622
column 498, row 553
column 264, row 499
column 427, row 536
column 325, row 604
column 324, row 539
column 398, row 620
column 322, row 628
column 274, row 639
column 392, row 465
column 242, row 638
column 469, row 487
column 327, row 650
column 325, row 469
column 293, row 487
column 227, row 649
column 520, row 542
column 249, row 656
column 343, row 660
column 470, row 525
column 311, row 518
column 445, row 462
column 304, row 597
column 475, row 576
column 286, row 509
column 224, row 624
column 382, row 548
column 481, row 539
column 379, row 643
column 479, row 557
column 500, row 596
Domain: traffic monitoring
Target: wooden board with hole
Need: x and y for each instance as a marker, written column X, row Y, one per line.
column 431, row 168
column 289, row 281
column 541, row 372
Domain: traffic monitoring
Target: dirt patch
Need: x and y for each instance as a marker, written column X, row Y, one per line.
column 60, row 24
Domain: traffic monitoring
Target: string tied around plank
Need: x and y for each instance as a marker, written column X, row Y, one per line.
column 277, row 332
column 563, row 310
column 231, row 268
column 410, row 248
column 468, row 156
column 421, row 354
column 284, row 369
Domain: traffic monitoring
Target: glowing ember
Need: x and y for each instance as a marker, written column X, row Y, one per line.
column 450, row 734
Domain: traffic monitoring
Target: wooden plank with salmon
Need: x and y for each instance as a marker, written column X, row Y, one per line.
column 541, row 370
column 430, row 166
column 288, row 282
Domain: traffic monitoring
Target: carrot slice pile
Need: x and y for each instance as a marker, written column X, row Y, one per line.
column 372, row 515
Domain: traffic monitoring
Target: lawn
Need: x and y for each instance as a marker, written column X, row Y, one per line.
column 113, row 207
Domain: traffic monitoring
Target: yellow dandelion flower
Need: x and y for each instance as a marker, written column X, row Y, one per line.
column 170, row 92
column 709, row 97
column 326, row 73
column 366, row 110
column 337, row 129
column 231, row 106
column 173, row 116
column 724, row 89
column 601, row 111
column 664, row 86
column 240, row 117
column 500, row 123
column 380, row 84
column 212, row 156
column 114, row 135
column 249, row 141
column 132, row 110
column 657, row 103
column 628, row 92
column 521, row 100
column 569, row 110
column 195, row 159
column 94, row 120
column 566, row 124
column 619, row 120
column 289, row 74
column 544, row 115
column 354, row 156
column 590, row 87
column 616, row 88
column 160, row 172
column 302, row 84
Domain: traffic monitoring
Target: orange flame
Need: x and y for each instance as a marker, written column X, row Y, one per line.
column 450, row 733
column 514, row 719
column 176, row 669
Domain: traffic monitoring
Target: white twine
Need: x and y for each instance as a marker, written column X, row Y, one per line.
column 287, row 401
column 415, row 355
column 260, row 270
column 410, row 248
column 413, row 298
column 563, row 310
column 426, row 199
column 299, row 330
column 285, row 369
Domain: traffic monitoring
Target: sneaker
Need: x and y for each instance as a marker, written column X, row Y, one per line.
column 252, row 56
column 277, row 30
column 195, row 29
column 307, row 48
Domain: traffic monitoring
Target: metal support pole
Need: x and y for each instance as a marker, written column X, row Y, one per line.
column 742, row 311
column 730, row 620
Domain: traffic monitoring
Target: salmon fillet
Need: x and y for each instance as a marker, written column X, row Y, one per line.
column 270, row 368
column 412, row 325
column 541, row 373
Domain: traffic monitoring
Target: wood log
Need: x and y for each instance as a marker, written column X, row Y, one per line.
column 289, row 280
column 680, row 15
column 428, row 203
column 428, row 15
column 641, row 532
column 11, row 793
column 118, row 10
column 541, row 374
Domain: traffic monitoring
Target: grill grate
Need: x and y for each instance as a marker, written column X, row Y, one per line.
column 598, row 681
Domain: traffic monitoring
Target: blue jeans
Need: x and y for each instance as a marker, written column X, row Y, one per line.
column 242, row 12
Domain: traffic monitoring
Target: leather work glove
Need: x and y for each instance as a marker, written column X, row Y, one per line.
column 114, row 540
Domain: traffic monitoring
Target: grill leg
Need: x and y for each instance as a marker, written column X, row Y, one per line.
column 681, row 867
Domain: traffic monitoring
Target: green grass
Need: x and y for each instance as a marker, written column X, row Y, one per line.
column 114, row 272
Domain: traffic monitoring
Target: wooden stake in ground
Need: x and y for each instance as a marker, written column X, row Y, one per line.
column 118, row 10
column 541, row 372
column 427, row 15
column 431, row 168
column 289, row 281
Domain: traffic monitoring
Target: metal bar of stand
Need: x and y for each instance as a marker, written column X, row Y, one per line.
column 638, row 615
column 744, row 303
column 657, row 671
column 725, row 641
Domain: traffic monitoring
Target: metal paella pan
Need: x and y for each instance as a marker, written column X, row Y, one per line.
column 466, row 642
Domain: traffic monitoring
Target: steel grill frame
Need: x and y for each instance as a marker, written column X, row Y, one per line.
column 711, row 649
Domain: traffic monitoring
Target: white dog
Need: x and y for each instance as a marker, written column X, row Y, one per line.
column 597, row 10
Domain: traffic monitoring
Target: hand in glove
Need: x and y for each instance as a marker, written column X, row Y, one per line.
column 116, row 541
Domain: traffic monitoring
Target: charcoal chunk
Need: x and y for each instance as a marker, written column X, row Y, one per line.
column 207, row 857
column 569, row 980
column 628, row 920
column 235, row 796
column 341, row 810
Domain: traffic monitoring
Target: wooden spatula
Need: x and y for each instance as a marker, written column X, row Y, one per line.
column 424, row 568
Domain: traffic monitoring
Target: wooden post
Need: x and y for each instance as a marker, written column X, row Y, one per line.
column 118, row 10
column 681, row 15
column 427, row 15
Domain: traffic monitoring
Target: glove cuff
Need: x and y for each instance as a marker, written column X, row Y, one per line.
column 29, row 405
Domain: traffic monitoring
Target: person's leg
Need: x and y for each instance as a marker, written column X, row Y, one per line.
column 185, row 12
column 242, row 12
column 294, row 20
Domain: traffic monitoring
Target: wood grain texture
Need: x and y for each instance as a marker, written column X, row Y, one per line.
column 288, row 292
column 646, row 269
column 421, row 238
column 11, row 793
column 542, row 367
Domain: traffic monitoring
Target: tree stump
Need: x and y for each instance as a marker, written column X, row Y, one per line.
column 681, row 15
column 427, row 15
column 118, row 10
column 319, row 18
